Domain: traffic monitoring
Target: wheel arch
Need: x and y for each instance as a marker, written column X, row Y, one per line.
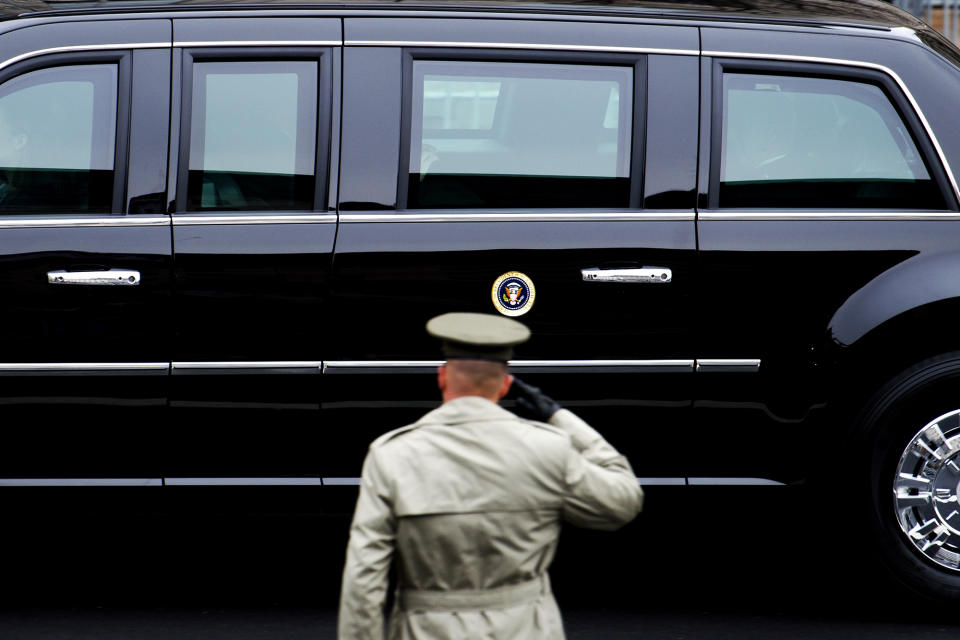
column 908, row 287
column 905, row 315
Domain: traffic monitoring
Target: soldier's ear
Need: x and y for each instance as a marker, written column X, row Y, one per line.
column 505, row 386
column 442, row 378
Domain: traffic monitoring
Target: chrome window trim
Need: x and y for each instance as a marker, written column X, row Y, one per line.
column 864, row 65
column 341, row 482
column 190, row 220
column 520, row 216
column 252, row 364
column 41, row 222
column 258, row 43
column 81, row 482
column 518, row 45
column 83, row 366
column 812, row 215
column 737, row 365
column 82, row 47
column 242, row 482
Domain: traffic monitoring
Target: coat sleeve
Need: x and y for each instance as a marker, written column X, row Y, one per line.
column 369, row 554
column 602, row 490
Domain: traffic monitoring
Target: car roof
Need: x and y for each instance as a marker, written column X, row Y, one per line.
column 868, row 13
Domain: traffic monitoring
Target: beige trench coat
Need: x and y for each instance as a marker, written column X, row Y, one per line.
column 467, row 502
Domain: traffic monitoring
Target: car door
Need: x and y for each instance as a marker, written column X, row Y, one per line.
column 85, row 246
column 522, row 190
column 818, row 176
column 253, row 234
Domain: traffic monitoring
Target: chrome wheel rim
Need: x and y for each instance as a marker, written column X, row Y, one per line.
column 926, row 491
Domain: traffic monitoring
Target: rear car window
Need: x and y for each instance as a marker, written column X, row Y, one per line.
column 510, row 134
column 794, row 141
column 57, row 139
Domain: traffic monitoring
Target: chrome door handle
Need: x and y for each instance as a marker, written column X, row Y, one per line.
column 108, row 278
column 645, row 275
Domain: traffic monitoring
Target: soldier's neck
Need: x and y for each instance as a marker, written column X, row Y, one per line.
column 449, row 395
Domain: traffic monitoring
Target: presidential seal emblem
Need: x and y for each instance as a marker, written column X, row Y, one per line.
column 513, row 294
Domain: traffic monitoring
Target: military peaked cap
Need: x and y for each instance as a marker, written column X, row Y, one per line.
column 477, row 336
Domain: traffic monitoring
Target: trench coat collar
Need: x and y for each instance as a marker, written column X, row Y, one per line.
column 466, row 409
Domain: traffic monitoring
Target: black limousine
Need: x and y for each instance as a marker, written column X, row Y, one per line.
column 731, row 226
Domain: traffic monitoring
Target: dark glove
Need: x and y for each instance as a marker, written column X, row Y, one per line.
column 533, row 403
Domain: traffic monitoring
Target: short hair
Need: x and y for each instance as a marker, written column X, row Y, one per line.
column 480, row 376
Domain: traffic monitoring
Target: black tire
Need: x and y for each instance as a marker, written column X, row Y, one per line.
column 898, row 412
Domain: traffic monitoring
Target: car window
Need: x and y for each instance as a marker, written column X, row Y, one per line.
column 791, row 141
column 57, row 135
column 507, row 134
column 253, row 136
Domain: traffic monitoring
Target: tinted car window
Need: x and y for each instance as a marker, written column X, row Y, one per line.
column 519, row 135
column 57, row 134
column 253, row 136
column 818, row 142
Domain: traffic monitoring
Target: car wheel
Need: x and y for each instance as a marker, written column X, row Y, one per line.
column 912, row 432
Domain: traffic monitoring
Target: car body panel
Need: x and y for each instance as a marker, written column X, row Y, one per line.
column 266, row 316
column 251, row 305
column 782, row 275
column 406, row 266
column 83, row 365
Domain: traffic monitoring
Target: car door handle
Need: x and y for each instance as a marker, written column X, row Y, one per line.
column 107, row 278
column 645, row 275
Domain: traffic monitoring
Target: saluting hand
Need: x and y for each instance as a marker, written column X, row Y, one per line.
column 532, row 403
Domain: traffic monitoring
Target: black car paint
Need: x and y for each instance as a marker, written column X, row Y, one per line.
column 251, row 292
column 799, row 295
column 78, row 423
column 781, row 282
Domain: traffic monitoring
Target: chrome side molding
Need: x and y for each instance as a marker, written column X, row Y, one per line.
column 739, row 365
column 645, row 482
column 391, row 366
column 728, row 366
column 662, row 482
column 710, row 482
column 243, row 482
column 314, row 481
column 734, row 482
column 342, row 482
column 81, row 482
column 240, row 364
column 72, row 368
column 429, row 366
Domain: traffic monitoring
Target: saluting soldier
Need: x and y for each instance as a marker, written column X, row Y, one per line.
column 467, row 502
